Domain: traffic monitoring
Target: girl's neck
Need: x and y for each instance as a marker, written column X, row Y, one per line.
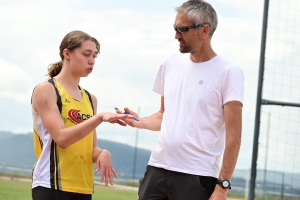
column 70, row 84
column 68, row 80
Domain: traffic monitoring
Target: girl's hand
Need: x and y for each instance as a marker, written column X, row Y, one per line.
column 104, row 163
column 115, row 118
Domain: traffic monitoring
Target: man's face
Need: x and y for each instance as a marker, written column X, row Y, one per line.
column 188, row 39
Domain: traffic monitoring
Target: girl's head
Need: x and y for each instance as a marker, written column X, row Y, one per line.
column 71, row 41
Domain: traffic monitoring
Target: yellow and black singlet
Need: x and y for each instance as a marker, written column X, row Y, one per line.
column 70, row 169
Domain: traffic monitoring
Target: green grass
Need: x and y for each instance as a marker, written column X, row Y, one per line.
column 109, row 193
column 20, row 190
column 15, row 190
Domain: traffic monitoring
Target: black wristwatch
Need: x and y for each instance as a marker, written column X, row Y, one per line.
column 224, row 183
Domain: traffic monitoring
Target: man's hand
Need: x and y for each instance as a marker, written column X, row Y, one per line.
column 219, row 193
column 130, row 121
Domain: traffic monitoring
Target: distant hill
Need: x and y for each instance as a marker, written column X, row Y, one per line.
column 5, row 135
column 17, row 149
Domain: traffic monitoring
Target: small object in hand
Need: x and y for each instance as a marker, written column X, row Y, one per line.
column 136, row 119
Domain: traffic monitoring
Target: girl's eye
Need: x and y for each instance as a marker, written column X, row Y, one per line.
column 86, row 55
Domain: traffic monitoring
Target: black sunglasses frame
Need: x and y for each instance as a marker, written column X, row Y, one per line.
column 184, row 29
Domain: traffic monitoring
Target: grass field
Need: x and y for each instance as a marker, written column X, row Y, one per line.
column 21, row 190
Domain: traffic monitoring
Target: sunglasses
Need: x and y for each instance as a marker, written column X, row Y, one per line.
column 184, row 29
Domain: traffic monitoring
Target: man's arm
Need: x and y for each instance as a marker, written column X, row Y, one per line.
column 152, row 122
column 233, row 123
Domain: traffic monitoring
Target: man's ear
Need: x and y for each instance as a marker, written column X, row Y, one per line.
column 205, row 31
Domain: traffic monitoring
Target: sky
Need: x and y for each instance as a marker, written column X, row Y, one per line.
column 135, row 36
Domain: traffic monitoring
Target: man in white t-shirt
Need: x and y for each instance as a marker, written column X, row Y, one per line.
column 200, row 117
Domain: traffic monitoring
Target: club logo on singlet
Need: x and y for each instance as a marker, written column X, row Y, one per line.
column 76, row 117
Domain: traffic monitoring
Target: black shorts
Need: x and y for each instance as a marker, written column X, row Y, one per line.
column 161, row 184
column 42, row 193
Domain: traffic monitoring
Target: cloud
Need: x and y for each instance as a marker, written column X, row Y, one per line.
column 253, row 7
column 111, row 90
column 15, row 82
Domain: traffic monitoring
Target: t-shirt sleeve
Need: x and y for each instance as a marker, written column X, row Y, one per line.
column 158, row 85
column 233, row 85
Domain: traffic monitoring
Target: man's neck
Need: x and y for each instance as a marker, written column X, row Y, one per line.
column 202, row 56
column 202, row 53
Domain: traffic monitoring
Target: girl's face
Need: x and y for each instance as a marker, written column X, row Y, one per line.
column 82, row 59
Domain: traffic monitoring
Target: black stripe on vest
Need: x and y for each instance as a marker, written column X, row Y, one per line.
column 52, row 166
column 53, row 154
column 90, row 98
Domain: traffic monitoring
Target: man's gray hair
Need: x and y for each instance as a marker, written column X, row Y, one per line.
column 200, row 11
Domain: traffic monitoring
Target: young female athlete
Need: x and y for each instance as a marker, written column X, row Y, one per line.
column 65, row 118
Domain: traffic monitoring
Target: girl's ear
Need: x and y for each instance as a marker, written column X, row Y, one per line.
column 66, row 54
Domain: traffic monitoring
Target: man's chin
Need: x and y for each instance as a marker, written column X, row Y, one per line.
column 184, row 50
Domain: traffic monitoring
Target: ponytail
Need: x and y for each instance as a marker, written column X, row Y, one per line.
column 54, row 69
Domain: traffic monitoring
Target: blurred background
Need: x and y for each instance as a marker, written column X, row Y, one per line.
column 135, row 36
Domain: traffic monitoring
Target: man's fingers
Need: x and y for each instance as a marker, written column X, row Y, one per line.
column 127, row 110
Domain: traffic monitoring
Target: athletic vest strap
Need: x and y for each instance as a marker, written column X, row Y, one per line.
column 59, row 103
column 90, row 98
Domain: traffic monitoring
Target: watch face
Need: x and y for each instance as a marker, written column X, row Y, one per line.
column 225, row 184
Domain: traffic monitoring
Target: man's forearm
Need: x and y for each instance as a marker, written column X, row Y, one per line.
column 230, row 157
column 152, row 122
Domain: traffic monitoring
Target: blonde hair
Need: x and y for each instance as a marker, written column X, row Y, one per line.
column 71, row 41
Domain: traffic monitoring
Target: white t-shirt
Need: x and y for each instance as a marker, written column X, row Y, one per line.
column 192, row 136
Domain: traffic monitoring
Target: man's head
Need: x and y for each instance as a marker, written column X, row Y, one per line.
column 199, row 12
column 195, row 23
